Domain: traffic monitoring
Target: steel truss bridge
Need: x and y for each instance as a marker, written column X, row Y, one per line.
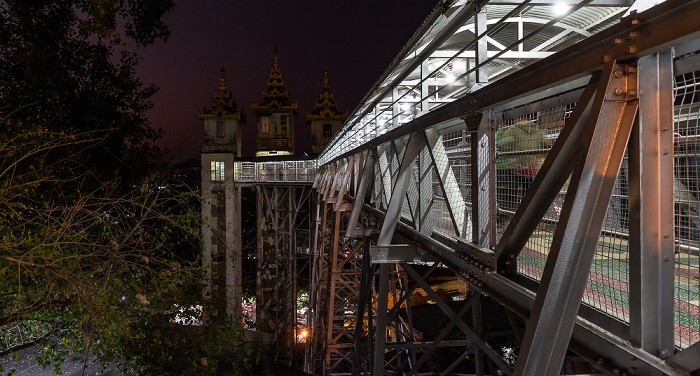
column 530, row 175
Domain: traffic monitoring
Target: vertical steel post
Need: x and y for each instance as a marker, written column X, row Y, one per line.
column 652, row 209
column 482, row 72
column 380, row 331
column 477, row 325
column 483, row 183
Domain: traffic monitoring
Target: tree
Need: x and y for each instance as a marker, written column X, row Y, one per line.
column 94, row 268
column 91, row 243
column 65, row 67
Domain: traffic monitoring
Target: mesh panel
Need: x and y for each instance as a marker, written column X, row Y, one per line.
column 521, row 146
column 686, row 188
column 608, row 288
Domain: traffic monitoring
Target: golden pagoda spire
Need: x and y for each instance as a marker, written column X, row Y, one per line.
column 276, row 97
column 326, row 106
column 222, row 80
column 222, row 104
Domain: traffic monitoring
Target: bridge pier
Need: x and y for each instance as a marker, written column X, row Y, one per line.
column 283, row 215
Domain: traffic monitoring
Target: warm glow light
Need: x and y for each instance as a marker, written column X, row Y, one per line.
column 560, row 8
column 304, row 333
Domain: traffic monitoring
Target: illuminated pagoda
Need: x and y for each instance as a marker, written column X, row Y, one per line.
column 275, row 117
column 325, row 120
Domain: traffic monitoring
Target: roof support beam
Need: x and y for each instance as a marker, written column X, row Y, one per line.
column 447, row 54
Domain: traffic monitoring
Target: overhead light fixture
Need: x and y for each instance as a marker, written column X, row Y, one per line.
column 405, row 106
column 561, row 8
column 450, row 78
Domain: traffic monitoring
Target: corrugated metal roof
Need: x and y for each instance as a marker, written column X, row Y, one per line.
column 437, row 65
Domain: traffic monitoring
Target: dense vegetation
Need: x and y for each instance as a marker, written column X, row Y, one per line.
column 97, row 253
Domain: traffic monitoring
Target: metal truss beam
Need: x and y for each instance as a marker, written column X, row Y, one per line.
column 393, row 211
column 447, row 181
column 602, row 147
column 604, row 349
column 281, row 209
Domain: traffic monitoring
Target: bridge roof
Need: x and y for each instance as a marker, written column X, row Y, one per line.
column 438, row 64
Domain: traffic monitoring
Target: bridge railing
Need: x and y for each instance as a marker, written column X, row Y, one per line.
column 275, row 171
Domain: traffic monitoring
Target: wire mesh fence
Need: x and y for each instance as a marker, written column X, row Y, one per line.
column 686, row 192
column 522, row 144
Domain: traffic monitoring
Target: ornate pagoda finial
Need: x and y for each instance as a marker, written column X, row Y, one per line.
column 222, row 80
column 223, row 104
column 276, row 96
column 326, row 107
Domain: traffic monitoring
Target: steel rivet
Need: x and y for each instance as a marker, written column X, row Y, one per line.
column 618, row 91
column 632, row 93
column 618, row 73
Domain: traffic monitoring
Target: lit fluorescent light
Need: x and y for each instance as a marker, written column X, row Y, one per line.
column 561, row 8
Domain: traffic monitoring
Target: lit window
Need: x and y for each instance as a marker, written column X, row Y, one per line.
column 217, row 171
column 220, row 130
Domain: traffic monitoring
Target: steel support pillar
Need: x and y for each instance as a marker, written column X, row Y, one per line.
column 282, row 210
column 652, row 209
column 602, row 148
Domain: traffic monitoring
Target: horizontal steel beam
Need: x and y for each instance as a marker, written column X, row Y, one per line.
column 446, row 54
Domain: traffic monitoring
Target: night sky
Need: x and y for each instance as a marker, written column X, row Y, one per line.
column 354, row 40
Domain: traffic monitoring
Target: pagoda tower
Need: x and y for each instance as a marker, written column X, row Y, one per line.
column 275, row 117
column 325, row 120
column 221, row 199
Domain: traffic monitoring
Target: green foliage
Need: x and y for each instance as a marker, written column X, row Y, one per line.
column 56, row 77
column 94, row 255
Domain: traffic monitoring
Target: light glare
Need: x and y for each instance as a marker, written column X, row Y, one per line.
column 561, row 8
